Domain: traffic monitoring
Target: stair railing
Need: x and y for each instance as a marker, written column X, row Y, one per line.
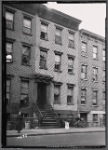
column 57, row 117
column 39, row 114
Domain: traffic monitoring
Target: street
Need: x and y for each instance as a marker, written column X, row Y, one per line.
column 70, row 139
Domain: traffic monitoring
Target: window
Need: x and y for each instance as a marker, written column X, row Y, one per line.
column 70, row 64
column 9, row 47
column 44, row 34
column 95, row 51
column 84, row 47
column 95, row 74
column 103, row 97
column 27, row 25
column 95, row 94
column 103, row 54
column 24, row 93
column 95, row 117
column 103, row 75
column 58, row 39
column 57, row 61
column 56, row 94
column 8, row 86
column 70, row 96
column 83, row 96
column 26, row 55
column 9, row 16
column 84, row 71
column 43, row 59
column 71, row 40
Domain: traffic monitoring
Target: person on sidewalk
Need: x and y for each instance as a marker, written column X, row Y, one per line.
column 19, row 124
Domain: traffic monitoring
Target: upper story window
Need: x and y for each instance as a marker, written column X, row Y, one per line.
column 26, row 55
column 58, row 36
column 24, row 93
column 95, row 74
column 71, row 40
column 56, row 93
column 83, row 48
column 70, row 95
column 27, row 28
column 9, row 48
column 95, row 97
column 57, row 62
column 103, row 97
column 103, row 75
column 9, row 16
column 44, row 32
column 84, row 71
column 70, row 64
column 103, row 54
column 8, row 86
column 43, row 59
column 95, row 52
column 83, row 96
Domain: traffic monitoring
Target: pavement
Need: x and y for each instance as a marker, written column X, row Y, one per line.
column 47, row 131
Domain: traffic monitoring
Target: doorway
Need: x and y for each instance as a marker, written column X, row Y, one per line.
column 41, row 101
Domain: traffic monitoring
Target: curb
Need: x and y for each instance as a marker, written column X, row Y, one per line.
column 38, row 134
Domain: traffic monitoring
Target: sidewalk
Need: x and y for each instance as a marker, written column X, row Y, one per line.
column 41, row 131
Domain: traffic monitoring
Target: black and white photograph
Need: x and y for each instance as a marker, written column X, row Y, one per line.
column 53, row 74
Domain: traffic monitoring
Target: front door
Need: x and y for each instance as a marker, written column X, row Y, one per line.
column 41, row 101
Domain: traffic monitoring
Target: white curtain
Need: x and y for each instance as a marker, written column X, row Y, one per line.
column 27, row 23
column 9, row 16
column 58, row 32
column 43, row 28
column 57, row 58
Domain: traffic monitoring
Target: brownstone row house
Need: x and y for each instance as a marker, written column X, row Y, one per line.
column 46, row 62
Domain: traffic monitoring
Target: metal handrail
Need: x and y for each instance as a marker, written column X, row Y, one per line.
column 38, row 110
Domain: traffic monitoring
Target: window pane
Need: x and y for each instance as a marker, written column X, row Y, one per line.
column 27, row 23
column 84, row 47
column 71, row 36
column 94, row 49
column 9, row 16
column 23, row 96
column 44, row 28
column 56, row 90
column 9, row 47
column 57, row 58
column 70, row 91
column 43, row 55
column 25, row 50
column 69, row 99
column 58, row 32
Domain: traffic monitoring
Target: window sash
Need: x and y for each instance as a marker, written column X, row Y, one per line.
column 70, row 91
column 42, row 63
column 95, row 117
column 9, row 16
column 27, row 23
column 58, row 32
column 95, row 49
column 57, row 90
column 84, row 47
column 71, row 36
column 9, row 47
column 69, row 99
column 58, row 39
column 44, row 28
column 57, row 58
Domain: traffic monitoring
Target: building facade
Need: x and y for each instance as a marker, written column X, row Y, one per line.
column 41, row 59
column 50, row 62
column 91, row 101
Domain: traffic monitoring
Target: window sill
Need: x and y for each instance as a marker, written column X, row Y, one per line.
column 70, row 104
column 56, row 103
column 26, row 65
column 84, row 79
column 95, row 105
column 27, row 33
column 95, row 81
column 83, row 104
column 43, row 68
column 43, row 39
column 57, row 70
column 84, row 55
column 10, row 29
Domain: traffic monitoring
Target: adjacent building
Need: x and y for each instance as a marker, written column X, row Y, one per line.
column 91, row 101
